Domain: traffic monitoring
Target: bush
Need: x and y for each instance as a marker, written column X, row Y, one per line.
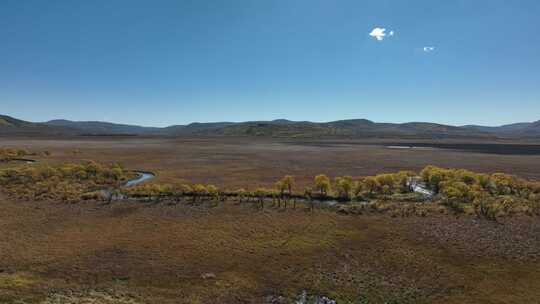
column 7, row 154
column 67, row 182
column 534, row 204
column 486, row 207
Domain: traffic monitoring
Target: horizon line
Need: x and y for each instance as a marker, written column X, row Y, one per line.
column 270, row 120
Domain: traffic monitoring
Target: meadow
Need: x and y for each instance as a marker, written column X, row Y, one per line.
column 227, row 250
column 230, row 162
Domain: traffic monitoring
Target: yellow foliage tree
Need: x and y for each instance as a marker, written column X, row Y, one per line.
column 322, row 184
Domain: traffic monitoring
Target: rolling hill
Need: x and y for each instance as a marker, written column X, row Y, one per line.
column 99, row 127
column 13, row 126
column 352, row 128
column 524, row 129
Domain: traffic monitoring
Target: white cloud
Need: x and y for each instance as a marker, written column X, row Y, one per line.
column 428, row 49
column 379, row 33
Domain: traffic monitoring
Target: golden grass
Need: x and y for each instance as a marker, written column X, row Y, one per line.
column 16, row 280
column 161, row 252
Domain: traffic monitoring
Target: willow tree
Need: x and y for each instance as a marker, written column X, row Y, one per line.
column 260, row 193
column 241, row 194
column 386, row 181
column 371, row 184
column 404, row 180
column 181, row 191
column 199, row 191
column 280, row 188
column 285, row 186
column 432, row 176
column 308, row 193
column 344, row 186
column 213, row 192
column 322, row 184
column 288, row 183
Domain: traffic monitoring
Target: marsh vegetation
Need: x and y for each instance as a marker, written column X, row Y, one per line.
column 460, row 191
column 348, row 237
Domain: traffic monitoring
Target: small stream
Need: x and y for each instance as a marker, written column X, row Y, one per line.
column 420, row 187
column 24, row 160
column 142, row 176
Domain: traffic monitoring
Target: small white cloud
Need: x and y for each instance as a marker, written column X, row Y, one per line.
column 379, row 33
column 429, row 49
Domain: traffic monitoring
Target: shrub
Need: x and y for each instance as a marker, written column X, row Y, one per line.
column 534, row 204
column 7, row 154
column 485, row 207
column 67, row 182
column 371, row 185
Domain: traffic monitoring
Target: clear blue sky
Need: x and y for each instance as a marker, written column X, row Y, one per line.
column 170, row 62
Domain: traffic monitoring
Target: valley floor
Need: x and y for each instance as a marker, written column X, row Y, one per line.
column 136, row 252
column 230, row 163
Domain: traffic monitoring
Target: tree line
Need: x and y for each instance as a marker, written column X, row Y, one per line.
column 458, row 189
column 67, row 182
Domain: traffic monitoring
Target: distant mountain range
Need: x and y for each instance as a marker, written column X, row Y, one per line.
column 526, row 129
column 98, row 127
column 353, row 128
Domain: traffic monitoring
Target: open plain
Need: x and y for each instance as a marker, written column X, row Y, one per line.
column 177, row 252
column 269, row 152
column 251, row 162
column 165, row 252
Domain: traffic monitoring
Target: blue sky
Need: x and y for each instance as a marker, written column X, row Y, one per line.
column 159, row 63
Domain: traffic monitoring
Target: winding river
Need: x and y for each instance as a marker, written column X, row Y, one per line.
column 143, row 176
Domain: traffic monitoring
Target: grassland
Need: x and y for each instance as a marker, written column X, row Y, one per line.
column 159, row 253
column 229, row 163
column 166, row 252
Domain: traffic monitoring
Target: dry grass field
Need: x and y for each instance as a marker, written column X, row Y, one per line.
column 160, row 253
column 251, row 162
column 149, row 252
